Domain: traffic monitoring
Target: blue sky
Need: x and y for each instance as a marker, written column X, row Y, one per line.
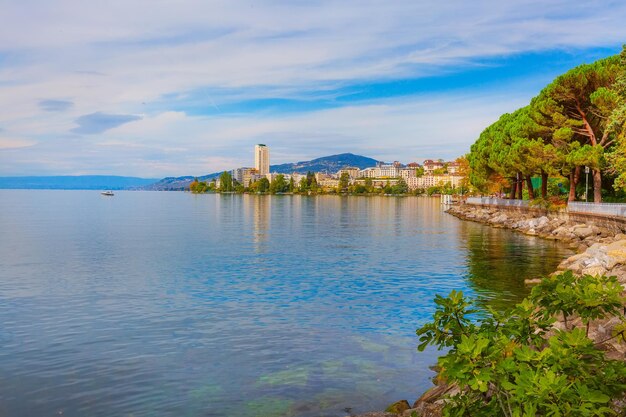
column 160, row 88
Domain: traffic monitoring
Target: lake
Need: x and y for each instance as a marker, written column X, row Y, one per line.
column 174, row 304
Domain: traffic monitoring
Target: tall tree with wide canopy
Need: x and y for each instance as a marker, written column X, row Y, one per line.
column 617, row 125
column 579, row 105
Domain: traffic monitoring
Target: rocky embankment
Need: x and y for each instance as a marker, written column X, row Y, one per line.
column 601, row 251
column 555, row 226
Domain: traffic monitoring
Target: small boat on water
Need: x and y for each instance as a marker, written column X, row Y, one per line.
column 109, row 193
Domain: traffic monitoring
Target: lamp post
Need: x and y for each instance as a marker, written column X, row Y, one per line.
column 586, row 182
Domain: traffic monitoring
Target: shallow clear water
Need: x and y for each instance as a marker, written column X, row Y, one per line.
column 173, row 304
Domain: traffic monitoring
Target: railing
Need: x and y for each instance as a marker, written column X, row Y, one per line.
column 603, row 209
column 492, row 201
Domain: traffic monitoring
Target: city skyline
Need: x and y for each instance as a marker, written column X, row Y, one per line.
column 187, row 88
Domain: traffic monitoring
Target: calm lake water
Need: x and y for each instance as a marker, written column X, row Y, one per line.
column 173, row 304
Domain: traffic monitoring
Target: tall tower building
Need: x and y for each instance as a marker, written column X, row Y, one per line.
column 262, row 159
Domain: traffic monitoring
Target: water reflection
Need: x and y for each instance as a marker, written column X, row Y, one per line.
column 262, row 205
column 498, row 262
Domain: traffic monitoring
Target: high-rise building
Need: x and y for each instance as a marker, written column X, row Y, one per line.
column 262, row 159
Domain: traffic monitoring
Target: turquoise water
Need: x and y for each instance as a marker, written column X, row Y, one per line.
column 173, row 304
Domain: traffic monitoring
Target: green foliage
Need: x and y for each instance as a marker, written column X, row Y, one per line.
column 514, row 364
column 588, row 297
column 226, row 181
column 303, row 186
column 260, row 186
column 308, row 184
column 359, row 189
column 400, row 187
column 279, row 185
column 344, row 182
column 198, row 187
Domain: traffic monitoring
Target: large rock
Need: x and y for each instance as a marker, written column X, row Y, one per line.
column 617, row 245
column 594, row 271
column 500, row 218
column 615, row 257
column 583, row 232
column 398, row 407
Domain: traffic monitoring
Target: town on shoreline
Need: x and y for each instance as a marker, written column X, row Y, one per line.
column 430, row 177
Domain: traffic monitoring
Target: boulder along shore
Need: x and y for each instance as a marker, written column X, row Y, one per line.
column 600, row 251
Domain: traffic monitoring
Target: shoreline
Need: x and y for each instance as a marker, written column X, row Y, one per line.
column 599, row 251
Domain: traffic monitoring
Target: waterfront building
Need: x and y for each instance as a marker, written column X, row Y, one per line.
column 320, row 176
column 328, row 182
column 413, row 183
column 367, row 173
column 381, row 170
column 262, row 159
column 407, row 173
column 428, row 181
column 430, row 166
column 272, row 176
column 297, row 177
column 245, row 175
column 388, row 171
column 453, row 168
column 353, row 172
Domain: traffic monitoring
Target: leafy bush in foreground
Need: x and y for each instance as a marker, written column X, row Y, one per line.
column 515, row 364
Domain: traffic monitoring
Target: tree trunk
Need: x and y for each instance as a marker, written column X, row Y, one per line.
column 544, row 185
column 574, row 177
column 520, row 186
column 513, row 188
column 597, row 186
column 531, row 190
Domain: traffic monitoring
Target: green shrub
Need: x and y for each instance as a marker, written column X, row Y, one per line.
column 515, row 364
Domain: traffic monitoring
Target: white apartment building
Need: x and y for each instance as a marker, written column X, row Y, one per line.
column 262, row 159
column 367, row 173
column 381, row 171
column 388, row 171
column 297, row 177
column 428, row 181
column 407, row 173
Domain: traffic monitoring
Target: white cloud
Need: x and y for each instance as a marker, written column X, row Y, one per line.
column 127, row 57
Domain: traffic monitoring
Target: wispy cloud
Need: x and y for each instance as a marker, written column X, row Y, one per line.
column 55, row 105
column 90, row 124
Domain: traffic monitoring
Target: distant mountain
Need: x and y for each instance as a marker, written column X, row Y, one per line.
column 78, row 182
column 331, row 164
column 176, row 183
